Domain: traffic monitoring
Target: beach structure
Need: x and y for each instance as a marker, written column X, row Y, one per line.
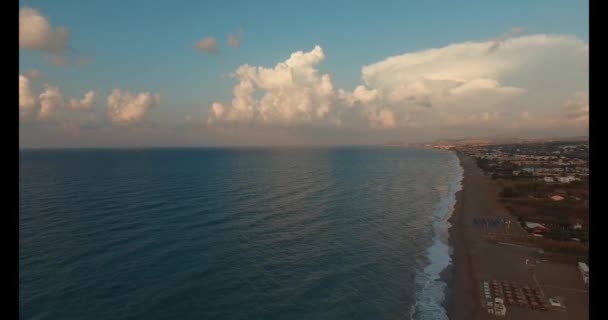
column 499, row 295
column 557, row 198
column 584, row 269
column 490, row 221
column 556, row 303
column 499, row 307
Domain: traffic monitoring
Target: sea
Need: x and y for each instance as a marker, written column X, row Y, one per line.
column 235, row 233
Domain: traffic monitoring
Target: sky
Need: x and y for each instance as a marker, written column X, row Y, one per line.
column 209, row 73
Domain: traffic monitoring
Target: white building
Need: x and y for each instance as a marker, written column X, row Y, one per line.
column 566, row 179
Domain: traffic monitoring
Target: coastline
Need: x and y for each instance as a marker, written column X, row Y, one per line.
column 431, row 282
column 460, row 303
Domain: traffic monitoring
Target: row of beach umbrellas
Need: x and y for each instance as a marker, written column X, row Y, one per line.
column 493, row 221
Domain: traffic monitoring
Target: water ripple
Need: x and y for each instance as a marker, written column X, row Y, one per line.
column 329, row 233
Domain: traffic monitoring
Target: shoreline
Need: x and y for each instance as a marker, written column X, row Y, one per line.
column 458, row 275
column 439, row 254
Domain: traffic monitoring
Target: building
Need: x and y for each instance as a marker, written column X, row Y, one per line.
column 557, row 198
column 566, row 179
column 548, row 179
column 536, row 228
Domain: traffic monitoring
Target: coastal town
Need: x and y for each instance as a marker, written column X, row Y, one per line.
column 551, row 163
column 543, row 182
column 522, row 223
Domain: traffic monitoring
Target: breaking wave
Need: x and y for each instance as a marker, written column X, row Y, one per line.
column 430, row 288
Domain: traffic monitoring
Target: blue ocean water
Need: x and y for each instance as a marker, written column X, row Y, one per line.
column 248, row 233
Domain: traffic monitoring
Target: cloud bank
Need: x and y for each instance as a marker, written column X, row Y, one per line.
column 525, row 84
column 123, row 107
column 458, row 85
column 50, row 99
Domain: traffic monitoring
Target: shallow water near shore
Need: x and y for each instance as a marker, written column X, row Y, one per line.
column 430, row 285
column 252, row 233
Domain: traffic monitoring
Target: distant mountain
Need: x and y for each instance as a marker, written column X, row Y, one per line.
column 490, row 140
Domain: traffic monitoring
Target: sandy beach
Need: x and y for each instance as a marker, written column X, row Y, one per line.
column 474, row 259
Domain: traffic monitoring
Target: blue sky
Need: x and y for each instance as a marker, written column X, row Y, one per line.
column 148, row 45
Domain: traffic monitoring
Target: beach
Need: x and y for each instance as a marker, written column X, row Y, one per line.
column 458, row 276
column 474, row 259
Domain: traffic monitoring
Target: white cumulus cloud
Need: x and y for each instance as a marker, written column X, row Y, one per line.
column 294, row 91
column 127, row 107
column 26, row 99
column 35, row 32
column 461, row 85
column 382, row 119
column 462, row 82
column 85, row 103
column 50, row 99
column 360, row 94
